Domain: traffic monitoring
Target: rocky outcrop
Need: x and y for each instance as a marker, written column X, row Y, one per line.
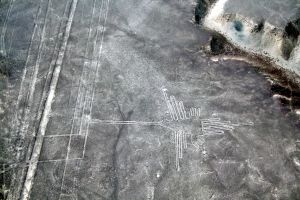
column 268, row 30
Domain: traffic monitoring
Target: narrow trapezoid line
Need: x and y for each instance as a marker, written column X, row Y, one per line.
column 94, row 83
column 78, row 98
column 78, row 102
column 45, row 116
column 20, row 95
column 50, row 70
column 32, row 86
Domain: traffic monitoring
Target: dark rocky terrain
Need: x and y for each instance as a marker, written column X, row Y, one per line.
column 262, row 28
column 121, row 100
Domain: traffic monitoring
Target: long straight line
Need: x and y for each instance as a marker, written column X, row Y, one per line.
column 98, row 58
column 25, row 120
column 46, row 114
column 20, row 95
column 177, row 150
column 84, row 65
column 46, row 84
column 16, row 121
column 78, row 101
column 4, row 28
column 25, row 123
column 12, row 37
column 94, row 83
column 50, row 70
column 124, row 122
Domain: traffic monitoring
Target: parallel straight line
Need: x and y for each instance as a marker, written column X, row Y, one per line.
column 4, row 28
column 79, row 95
column 33, row 79
column 50, row 70
column 20, row 95
column 46, row 114
column 93, row 93
column 84, row 65
column 98, row 56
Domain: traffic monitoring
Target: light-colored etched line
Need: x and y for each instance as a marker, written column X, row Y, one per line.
column 12, row 37
column 215, row 126
column 210, row 130
column 228, row 124
column 83, row 117
column 54, row 136
column 79, row 111
column 173, row 103
column 94, row 83
column 169, row 106
column 177, row 143
column 59, row 160
column 211, row 119
column 46, row 114
column 180, row 114
column 80, row 95
column 173, row 137
column 11, row 41
column 243, row 124
column 185, row 140
column 4, row 28
column 166, row 127
column 25, row 122
column 73, row 86
column 52, row 64
column 216, row 122
column 176, row 150
column 72, row 196
column 20, row 126
column 26, row 164
column 196, row 145
column 124, row 122
column 20, row 95
column 78, row 102
column 198, row 112
column 192, row 114
column 3, row 179
column 183, row 111
column 180, row 144
column 141, row 123
column 99, row 57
